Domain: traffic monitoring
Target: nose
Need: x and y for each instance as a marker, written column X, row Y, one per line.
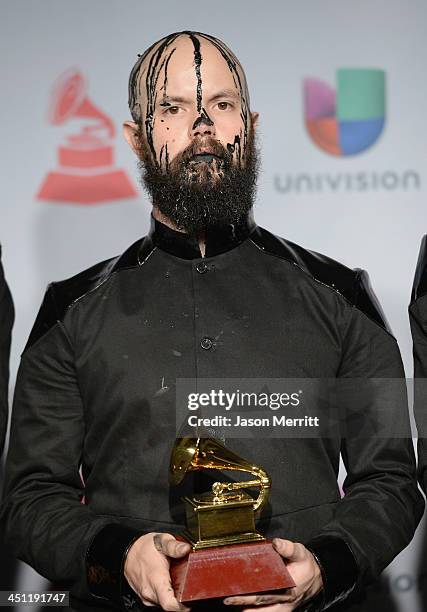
column 203, row 125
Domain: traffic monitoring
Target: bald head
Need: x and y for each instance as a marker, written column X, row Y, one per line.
column 189, row 85
column 152, row 66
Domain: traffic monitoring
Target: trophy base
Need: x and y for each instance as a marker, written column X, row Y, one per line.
column 229, row 570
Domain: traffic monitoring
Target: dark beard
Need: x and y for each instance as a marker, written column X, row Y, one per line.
column 195, row 196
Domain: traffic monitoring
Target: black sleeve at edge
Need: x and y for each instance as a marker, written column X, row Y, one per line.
column 338, row 566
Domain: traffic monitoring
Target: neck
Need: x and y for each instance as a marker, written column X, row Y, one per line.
column 201, row 235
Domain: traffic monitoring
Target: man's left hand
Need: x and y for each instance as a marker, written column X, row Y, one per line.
column 305, row 572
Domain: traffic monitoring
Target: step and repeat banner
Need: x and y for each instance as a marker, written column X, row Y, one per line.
column 341, row 90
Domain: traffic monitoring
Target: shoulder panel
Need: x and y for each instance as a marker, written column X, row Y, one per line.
column 61, row 295
column 353, row 285
column 419, row 287
column 366, row 300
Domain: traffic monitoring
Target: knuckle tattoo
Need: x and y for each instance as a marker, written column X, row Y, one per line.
column 157, row 541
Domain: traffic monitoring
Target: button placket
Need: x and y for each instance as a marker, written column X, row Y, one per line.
column 207, row 343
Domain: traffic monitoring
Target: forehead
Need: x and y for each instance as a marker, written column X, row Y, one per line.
column 182, row 63
column 191, row 62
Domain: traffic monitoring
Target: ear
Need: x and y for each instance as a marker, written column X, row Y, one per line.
column 130, row 132
column 255, row 118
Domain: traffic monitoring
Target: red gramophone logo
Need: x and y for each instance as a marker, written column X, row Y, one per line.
column 86, row 172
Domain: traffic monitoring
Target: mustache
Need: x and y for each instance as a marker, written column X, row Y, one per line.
column 207, row 145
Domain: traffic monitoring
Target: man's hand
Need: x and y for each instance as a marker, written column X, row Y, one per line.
column 303, row 569
column 147, row 569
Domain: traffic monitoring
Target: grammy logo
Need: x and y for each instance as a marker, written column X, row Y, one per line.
column 86, row 172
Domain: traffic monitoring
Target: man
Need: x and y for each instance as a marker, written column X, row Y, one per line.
column 7, row 563
column 418, row 320
column 206, row 294
column 6, row 323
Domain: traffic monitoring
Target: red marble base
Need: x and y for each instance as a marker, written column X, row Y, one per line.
column 229, row 570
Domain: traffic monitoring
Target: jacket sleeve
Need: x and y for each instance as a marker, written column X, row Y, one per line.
column 6, row 322
column 381, row 507
column 43, row 518
column 418, row 321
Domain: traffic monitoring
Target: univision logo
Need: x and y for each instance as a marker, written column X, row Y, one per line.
column 350, row 120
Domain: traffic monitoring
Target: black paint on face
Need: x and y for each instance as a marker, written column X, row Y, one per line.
column 202, row 120
column 244, row 113
column 197, row 65
column 156, row 64
column 159, row 60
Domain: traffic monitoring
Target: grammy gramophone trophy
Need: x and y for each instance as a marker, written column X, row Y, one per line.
column 228, row 556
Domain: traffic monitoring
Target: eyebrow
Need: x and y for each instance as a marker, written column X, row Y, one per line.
column 225, row 93
column 169, row 100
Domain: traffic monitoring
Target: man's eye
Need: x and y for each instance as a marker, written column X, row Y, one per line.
column 224, row 105
column 173, row 110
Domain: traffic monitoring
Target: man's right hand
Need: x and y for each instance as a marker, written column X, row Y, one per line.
column 147, row 569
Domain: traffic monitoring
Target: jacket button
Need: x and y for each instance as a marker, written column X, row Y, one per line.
column 202, row 267
column 206, row 343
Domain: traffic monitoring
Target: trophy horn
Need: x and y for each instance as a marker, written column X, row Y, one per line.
column 191, row 454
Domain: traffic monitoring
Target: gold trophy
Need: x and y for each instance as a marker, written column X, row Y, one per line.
column 228, row 557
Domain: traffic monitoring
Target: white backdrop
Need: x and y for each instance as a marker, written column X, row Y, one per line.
column 280, row 42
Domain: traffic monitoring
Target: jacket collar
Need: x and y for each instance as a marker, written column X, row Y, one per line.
column 219, row 239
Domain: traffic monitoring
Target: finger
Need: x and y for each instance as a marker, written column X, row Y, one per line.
column 273, row 608
column 290, row 550
column 170, row 546
column 269, row 599
column 147, row 595
column 167, row 601
column 172, row 605
column 259, row 600
column 165, row 596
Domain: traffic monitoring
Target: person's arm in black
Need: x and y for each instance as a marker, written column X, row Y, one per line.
column 418, row 320
column 43, row 519
column 6, row 323
column 382, row 505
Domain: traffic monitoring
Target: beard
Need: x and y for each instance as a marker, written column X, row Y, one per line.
column 201, row 190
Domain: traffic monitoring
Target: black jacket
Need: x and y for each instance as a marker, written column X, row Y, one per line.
column 95, row 403
column 6, row 323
